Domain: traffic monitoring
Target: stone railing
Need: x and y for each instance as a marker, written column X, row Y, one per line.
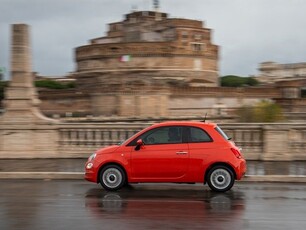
column 268, row 142
column 79, row 139
column 274, row 142
column 250, row 138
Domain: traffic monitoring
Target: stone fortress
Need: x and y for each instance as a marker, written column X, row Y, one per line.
column 152, row 65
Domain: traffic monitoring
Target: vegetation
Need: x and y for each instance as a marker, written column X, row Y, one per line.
column 236, row 81
column 264, row 111
column 51, row 84
column 3, row 84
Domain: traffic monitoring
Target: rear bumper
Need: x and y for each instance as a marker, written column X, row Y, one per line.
column 241, row 170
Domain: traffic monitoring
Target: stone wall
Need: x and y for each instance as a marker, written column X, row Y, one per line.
column 150, row 101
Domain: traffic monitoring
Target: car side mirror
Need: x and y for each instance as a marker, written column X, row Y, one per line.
column 139, row 144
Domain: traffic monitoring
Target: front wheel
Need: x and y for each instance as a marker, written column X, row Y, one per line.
column 220, row 178
column 112, row 177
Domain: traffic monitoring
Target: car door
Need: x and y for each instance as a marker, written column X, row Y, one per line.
column 201, row 146
column 163, row 157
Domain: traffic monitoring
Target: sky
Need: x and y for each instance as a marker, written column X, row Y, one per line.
column 247, row 32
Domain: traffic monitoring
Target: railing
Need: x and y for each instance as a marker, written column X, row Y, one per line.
column 70, row 139
column 80, row 138
column 248, row 137
column 258, row 141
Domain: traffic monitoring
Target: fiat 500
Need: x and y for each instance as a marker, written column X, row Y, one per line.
column 171, row 152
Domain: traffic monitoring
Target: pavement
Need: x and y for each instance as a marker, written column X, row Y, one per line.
column 73, row 169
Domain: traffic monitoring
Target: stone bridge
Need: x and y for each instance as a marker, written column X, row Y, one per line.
column 26, row 133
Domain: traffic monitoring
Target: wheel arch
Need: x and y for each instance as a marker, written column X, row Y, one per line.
column 219, row 164
column 111, row 163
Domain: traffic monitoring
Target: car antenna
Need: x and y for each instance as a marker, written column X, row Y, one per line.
column 205, row 118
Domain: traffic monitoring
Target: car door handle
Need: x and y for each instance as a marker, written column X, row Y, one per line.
column 181, row 153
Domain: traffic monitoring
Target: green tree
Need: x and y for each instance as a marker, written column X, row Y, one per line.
column 237, row 81
column 3, row 85
column 251, row 81
column 51, row 84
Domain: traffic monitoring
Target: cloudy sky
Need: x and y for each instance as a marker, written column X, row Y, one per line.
column 247, row 31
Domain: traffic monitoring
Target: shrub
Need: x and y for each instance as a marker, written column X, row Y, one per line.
column 264, row 111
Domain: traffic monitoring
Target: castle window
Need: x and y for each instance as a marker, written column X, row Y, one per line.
column 303, row 93
column 197, row 46
column 114, row 49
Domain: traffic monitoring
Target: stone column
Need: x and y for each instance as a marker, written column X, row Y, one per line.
column 25, row 132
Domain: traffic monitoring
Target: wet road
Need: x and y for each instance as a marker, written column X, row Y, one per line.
column 37, row 204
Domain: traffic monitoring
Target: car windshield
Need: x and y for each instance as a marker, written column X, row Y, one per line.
column 223, row 134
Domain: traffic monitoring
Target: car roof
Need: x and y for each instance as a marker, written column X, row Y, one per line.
column 184, row 123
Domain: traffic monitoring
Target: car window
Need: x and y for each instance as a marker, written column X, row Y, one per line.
column 199, row 135
column 162, row 135
column 223, row 134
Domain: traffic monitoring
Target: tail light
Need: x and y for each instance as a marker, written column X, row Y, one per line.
column 236, row 153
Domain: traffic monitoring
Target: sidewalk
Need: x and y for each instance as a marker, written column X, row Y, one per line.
column 73, row 169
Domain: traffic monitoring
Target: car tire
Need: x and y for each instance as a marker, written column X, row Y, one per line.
column 112, row 177
column 220, row 178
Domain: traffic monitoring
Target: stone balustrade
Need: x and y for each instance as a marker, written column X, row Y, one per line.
column 80, row 140
column 275, row 142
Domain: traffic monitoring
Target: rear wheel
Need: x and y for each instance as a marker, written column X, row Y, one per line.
column 220, row 178
column 112, row 177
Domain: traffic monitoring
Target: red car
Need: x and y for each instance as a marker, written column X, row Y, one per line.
column 178, row 152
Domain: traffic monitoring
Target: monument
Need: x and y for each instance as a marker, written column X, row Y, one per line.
column 24, row 131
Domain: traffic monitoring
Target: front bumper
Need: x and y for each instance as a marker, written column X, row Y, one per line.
column 90, row 174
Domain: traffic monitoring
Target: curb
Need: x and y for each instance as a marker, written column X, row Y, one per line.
column 43, row 175
column 80, row 176
column 275, row 178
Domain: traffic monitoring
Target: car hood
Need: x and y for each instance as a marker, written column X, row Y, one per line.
column 108, row 149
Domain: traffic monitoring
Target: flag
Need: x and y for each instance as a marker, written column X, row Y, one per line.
column 125, row 58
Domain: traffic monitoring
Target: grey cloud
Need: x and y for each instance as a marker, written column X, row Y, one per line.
column 247, row 31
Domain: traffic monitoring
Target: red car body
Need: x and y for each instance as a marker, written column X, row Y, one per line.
column 200, row 148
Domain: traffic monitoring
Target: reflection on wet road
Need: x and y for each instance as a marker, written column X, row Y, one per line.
column 168, row 209
column 36, row 204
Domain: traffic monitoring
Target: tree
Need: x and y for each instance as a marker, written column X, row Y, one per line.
column 237, row 81
column 51, row 84
column 3, row 85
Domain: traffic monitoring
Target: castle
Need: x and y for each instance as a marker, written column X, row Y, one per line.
column 151, row 65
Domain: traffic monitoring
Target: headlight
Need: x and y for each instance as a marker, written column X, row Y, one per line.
column 93, row 156
column 89, row 165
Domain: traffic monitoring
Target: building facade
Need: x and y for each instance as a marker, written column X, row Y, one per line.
column 271, row 72
column 150, row 47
